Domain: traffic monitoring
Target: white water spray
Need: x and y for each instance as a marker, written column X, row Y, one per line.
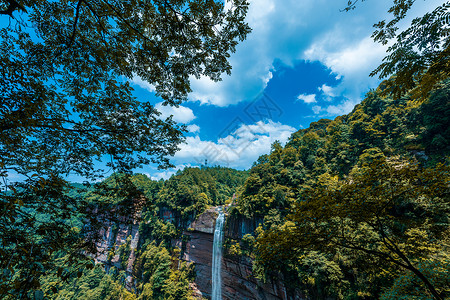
column 217, row 258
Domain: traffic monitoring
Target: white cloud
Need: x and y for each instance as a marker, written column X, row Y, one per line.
column 181, row 114
column 353, row 62
column 345, row 107
column 328, row 91
column 143, row 84
column 239, row 149
column 166, row 174
column 316, row 109
column 267, row 78
column 193, row 128
column 340, row 109
column 291, row 30
column 307, row 98
column 281, row 30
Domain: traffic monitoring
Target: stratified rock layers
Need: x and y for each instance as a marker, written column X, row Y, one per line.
column 238, row 281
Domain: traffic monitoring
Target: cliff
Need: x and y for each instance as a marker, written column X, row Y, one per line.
column 120, row 243
column 118, row 248
column 238, row 281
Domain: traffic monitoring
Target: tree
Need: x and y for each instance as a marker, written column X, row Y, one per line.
column 394, row 212
column 419, row 56
column 66, row 102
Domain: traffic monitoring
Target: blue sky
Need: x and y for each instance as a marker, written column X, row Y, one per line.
column 304, row 60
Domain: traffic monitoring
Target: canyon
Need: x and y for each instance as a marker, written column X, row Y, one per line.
column 236, row 274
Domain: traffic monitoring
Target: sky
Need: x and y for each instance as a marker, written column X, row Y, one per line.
column 303, row 61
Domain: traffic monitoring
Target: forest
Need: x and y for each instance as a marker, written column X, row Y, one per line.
column 354, row 207
column 351, row 208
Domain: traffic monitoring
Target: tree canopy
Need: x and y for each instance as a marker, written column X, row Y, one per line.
column 66, row 68
column 66, row 102
column 418, row 57
column 391, row 210
column 356, row 207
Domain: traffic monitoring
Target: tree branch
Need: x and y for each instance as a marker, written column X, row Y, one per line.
column 119, row 15
column 391, row 245
column 11, row 8
column 75, row 22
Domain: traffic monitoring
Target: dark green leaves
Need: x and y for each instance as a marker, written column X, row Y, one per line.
column 66, row 102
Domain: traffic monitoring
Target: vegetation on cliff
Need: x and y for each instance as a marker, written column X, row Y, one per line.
column 357, row 207
column 164, row 211
column 66, row 102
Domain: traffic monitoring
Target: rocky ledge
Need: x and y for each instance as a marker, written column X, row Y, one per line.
column 238, row 281
column 206, row 221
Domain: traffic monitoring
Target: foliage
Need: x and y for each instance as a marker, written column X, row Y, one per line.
column 406, row 286
column 325, row 159
column 393, row 211
column 419, row 56
column 91, row 285
column 189, row 192
column 158, row 270
column 160, row 276
column 66, row 103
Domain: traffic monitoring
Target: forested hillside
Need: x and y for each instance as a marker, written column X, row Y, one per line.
column 158, row 269
column 351, row 208
column 357, row 207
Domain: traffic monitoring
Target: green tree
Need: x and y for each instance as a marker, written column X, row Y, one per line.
column 419, row 56
column 161, row 275
column 94, row 284
column 66, row 102
column 395, row 212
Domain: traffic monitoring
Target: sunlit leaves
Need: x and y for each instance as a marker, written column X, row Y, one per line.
column 419, row 57
column 394, row 211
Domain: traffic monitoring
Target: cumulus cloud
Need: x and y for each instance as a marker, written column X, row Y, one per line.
column 143, row 84
column 193, row 128
column 316, row 109
column 307, row 98
column 166, row 174
column 181, row 114
column 267, row 78
column 238, row 149
column 281, row 30
column 342, row 108
column 328, row 92
column 353, row 62
column 292, row 30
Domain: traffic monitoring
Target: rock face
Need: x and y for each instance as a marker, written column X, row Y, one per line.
column 237, row 273
column 236, row 228
column 206, row 221
column 238, row 281
column 115, row 235
column 198, row 250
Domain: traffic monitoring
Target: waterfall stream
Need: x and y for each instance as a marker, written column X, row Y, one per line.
column 217, row 258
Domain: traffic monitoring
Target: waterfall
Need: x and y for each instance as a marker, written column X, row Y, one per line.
column 217, row 258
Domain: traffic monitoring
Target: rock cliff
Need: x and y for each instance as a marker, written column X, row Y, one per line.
column 238, row 281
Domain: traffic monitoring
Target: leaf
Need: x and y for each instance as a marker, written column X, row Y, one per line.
column 38, row 295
